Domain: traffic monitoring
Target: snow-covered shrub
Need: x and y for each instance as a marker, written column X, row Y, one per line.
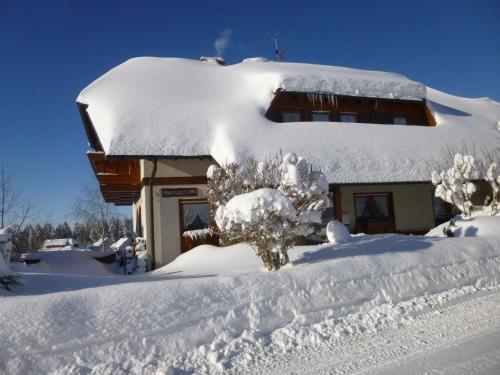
column 6, row 243
column 7, row 279
column 264, row 217
column 287, row 199
column 454, row 184
column 198, row 234
column 494, row 181
column 336, row 232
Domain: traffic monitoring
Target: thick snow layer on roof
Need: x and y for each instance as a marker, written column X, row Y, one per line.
column 178, row 107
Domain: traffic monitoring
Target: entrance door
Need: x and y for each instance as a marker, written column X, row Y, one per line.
column 374, row 213
column 194, row 222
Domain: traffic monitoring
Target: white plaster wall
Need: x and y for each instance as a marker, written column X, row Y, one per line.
column 413, row 208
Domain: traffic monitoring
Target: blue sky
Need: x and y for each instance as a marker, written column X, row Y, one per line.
column 51, row 50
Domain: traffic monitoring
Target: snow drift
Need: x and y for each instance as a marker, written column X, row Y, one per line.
column 212, row 309
column 469, row 226
column 74, row 262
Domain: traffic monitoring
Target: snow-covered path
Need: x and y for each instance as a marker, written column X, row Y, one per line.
column 460, row 338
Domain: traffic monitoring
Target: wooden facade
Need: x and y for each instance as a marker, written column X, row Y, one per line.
column 119, row 179
column 366, row 110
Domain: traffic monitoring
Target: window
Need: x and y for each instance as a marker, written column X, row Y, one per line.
column 290, row 116
column 374, row 208
column 348, row 117
column 195, row 215
column 321, row 116
column 399, row 120
column 442, row 210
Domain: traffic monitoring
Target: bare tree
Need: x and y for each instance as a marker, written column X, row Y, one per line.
column 10, row 196
column 15, row 209
column 91, row 208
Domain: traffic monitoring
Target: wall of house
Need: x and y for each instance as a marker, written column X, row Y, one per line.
column 413, row 207
column 166, row 210
column 177, row 167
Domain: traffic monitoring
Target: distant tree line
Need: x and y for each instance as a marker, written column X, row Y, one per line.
column 32, row 236
column 94, row 218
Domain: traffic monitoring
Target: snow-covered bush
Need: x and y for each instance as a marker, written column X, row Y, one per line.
column 7, row 279
column 198, row 234
column 454, row 184
column 264, row 217
column 267, row 204
column 336, row 232
column 494, row 181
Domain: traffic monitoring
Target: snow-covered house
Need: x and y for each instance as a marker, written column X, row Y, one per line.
column 59, row 244
column 156, row 124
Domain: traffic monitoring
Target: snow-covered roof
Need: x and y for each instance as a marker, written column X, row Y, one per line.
column 58, row 243
column 177, row 107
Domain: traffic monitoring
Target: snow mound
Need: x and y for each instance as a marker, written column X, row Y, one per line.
column 336, row 232
column 237, row 259
column 133, row 101
column 68, row 262
column 476, row 226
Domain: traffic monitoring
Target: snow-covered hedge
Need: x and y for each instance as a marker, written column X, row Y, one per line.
column 267, row 204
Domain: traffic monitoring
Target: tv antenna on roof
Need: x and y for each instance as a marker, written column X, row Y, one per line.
column 279, row 51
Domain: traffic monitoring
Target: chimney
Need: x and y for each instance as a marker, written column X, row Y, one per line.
column 219, row 60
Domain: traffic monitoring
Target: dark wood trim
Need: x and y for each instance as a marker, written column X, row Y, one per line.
column 192, row 180
column 337, row 202
column 366, row 109
column 92, row 136
column 433, row 208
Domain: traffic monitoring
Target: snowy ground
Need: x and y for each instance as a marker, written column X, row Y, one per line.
column 377, row 304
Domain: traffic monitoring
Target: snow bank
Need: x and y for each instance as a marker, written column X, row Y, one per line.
column 212, row 309
column 73, row 262
column 220, row 111
column 469, row 227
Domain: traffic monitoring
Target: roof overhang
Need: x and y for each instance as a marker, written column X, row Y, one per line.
column 119, row 179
